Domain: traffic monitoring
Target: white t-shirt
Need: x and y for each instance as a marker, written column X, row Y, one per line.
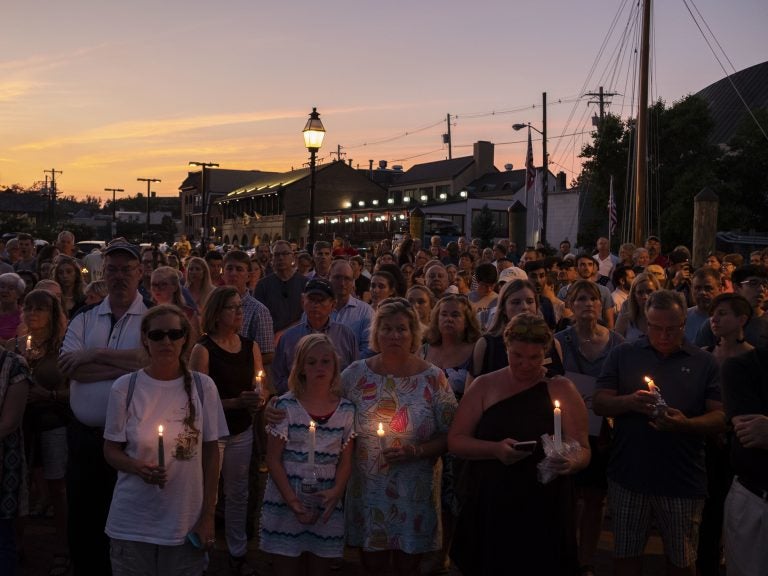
column 143, row 512
column 94, row 329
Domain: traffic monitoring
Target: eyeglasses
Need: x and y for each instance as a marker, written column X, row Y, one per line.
column 237, row 308
column 755, row 283
column 666, row 330
column 173, row 334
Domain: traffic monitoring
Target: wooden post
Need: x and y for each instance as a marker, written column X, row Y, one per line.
column 416, row 225
column 705, row 205
column 517, row 214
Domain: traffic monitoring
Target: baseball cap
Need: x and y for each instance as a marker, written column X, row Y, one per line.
column 121, row 245
column 319, row 286
column 678, row 256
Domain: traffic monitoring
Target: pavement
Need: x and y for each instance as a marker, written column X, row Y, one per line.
column 39, row 540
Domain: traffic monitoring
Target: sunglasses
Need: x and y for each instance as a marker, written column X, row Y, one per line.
column 173, row 334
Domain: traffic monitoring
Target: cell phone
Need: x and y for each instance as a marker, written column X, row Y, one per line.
column 194, row 539
column 528, row 446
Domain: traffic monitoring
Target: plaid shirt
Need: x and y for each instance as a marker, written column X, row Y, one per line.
column 257, row 324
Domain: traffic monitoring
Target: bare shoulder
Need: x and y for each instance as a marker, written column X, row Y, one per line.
column 560, row 385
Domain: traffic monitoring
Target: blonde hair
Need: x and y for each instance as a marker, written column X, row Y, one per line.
column 297, row 379
column 390, row 307
column 206, row 287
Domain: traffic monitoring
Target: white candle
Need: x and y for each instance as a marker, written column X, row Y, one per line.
column 160, row 447
column 381, row 434
column 29, row 342
column 312, row 428
column 651, row 385
column 558, row 427
column 257, row 382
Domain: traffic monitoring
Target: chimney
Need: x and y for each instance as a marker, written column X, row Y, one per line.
column 350, row 162
column 508, row 167
column 370, row 169
column 483, row 154
column 561, row 182
column 382, row 164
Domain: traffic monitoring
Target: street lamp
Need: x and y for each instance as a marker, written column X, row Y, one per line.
column 545, row 164
column 314, row 132
column 149, row 183
column 204, row 195
column 114, row 218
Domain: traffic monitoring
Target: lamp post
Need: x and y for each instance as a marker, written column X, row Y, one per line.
column 149, row 183
column 114, row 217
column 203, row 193
column 545, row 164
column 314, row 132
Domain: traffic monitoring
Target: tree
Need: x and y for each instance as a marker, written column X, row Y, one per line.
column 484, row 226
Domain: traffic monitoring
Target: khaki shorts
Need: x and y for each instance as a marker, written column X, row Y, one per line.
column 677, row 520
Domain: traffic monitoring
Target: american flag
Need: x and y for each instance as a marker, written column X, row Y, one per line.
column 613, row 220
column 530, row 171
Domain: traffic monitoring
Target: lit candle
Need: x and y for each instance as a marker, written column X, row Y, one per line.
column 257, row 381
column 84, row 271
column 381, row 434
column 29, row 342
column 651, row 385
column 312, row 429
column 160, row 447
column 558, row 427
column 660, row 403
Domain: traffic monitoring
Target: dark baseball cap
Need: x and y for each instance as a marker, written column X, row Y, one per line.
column 319, row 286
column 121, row 245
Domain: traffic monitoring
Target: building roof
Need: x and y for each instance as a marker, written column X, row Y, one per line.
column 222, row 179
column 497, row 184
column 433, row 171
column 725, row 105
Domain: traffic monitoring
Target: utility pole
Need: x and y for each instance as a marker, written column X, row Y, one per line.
column 149, row 183
column 447, row 137
column 601, row 96
column 52, row 191
column 114, row 217
column 338, row 152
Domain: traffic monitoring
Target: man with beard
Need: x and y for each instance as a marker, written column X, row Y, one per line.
column 622, row 279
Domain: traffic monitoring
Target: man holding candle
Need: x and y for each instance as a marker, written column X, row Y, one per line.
column 657, row 471
column 102, row 343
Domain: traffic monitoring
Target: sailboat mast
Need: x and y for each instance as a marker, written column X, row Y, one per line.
column 641, row 132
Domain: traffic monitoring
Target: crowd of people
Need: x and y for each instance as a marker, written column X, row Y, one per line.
column 431, row 406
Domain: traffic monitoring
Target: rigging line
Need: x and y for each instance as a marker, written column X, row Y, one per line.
column 469, row 115
column 713, row 35
column 730, row 80
column 619, row 50
column 523, row 141
column 627, row 47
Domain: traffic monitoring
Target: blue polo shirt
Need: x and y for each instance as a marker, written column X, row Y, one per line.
column 646, row 460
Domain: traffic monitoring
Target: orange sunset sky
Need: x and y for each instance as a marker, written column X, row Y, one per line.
column 108, row 92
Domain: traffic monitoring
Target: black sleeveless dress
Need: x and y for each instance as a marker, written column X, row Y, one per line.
column 510, row 523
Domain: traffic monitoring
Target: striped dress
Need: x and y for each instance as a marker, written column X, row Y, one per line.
column 280, row 531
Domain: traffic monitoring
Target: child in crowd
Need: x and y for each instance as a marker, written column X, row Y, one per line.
column 309, row 455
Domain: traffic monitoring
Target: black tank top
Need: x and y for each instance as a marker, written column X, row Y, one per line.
column 232, row 373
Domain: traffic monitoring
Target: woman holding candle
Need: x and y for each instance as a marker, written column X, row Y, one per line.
column 512, row 520
column 234, row 363
column 585, row 346
column 161, row 517
column 631, row 323
column 47, row 414
column 393, row 511
column 302, row 522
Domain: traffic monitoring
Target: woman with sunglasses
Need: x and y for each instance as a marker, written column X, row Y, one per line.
column 631, row 323
column 161, row 518
column 511, row 521
column 235, row 364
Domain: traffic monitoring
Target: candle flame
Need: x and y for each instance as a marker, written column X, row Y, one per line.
column 648, row 380
column 260, row 374
column 312, row 424
column 557, row 403
column 160, row 430
column 381, row 427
